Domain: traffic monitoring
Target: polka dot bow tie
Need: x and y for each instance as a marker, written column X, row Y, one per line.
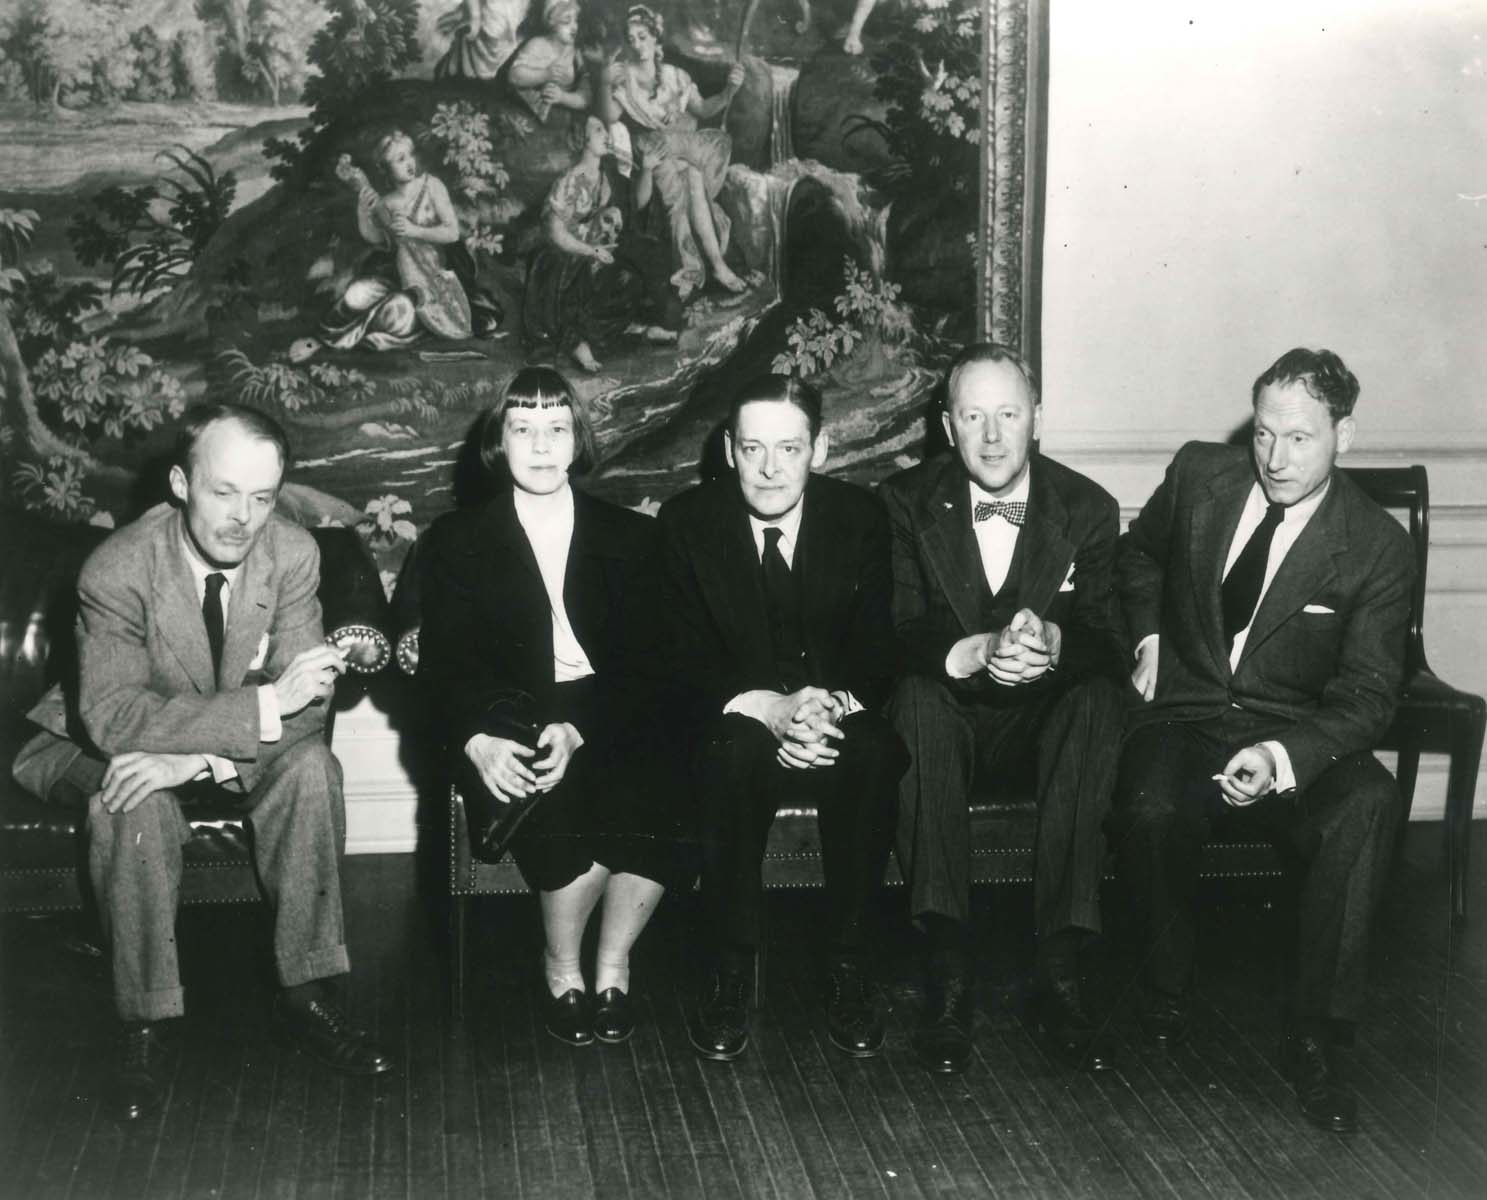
column 1014, row 512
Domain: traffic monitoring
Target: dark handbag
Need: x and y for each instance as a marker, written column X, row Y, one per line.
column 494, row 822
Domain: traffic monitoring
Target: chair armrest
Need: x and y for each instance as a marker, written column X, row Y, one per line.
column 352, row 601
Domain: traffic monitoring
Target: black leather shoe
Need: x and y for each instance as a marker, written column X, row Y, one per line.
column 1067, row 1029
column 1326, row 1101
column 567, row 1017
column 137, row 1090
column 943, row 1039
column 852, row 1024
column 614, row 1019
column 719, row 1028
column 318, row 1028
column 1165, row 1020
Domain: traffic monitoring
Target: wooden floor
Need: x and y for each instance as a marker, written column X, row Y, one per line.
column 497, row 1108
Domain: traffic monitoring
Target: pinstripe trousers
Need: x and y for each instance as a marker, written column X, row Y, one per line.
column 1064, row 739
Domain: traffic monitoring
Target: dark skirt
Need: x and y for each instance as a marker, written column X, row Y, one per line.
column 624, row 803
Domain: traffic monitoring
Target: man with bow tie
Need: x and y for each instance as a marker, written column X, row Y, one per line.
column 1004, row 605
column 203, row 678
column 1267, row 597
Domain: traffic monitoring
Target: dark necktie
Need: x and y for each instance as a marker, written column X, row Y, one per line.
column 211, row 614
column 1014, row 512
column 1241, row 590
column 783, row 607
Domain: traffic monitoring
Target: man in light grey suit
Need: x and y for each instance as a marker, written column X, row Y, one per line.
column 204, row 674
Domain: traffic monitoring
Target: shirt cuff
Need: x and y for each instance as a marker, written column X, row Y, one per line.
column 743, row 704
column 850, row 703
column 270, row 725
column 221, row 769
column 956, row 666
column 1285, row 775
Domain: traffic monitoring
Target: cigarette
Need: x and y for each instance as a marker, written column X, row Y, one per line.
column 1223, row 778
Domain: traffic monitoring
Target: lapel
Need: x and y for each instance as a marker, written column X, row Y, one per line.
column 1306, row 571
column 821, row 567
column 176, row 609
column 585, row 582
column 733, row 580
column 513, row 578
column 503, row 542
column 249, row 610
column 1215, row 518
column 1046, row 550
column 948, row 544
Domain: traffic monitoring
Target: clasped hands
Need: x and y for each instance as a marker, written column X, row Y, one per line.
column 1027, row 649
column 804, row 722
column 505, row 771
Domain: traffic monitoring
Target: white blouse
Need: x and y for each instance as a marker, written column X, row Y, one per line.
column 548, row 524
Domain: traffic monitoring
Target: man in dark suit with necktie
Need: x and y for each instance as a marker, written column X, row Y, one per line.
column 204, row 674
column 1003, row 600
column 775, row 586
column 1267, row 597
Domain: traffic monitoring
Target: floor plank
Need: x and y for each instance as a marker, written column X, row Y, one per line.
column 495, row 1106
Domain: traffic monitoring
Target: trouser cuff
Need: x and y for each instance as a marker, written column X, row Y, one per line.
column 317, row 964
column 945, row 902
column 151, row 1006
column 1084, row 916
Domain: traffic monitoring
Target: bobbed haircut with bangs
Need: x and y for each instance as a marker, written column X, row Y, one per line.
column 535, row 387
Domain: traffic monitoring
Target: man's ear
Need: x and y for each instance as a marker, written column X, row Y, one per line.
column 728, row 449
column 178, row 484
column 949, row 428
column 1347, row 428
column 1037, row 422
column 819, row 451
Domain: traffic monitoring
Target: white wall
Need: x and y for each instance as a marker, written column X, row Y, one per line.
column 1226, row 181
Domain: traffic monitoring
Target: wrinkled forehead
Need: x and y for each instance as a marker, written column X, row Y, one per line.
column 1290, row 406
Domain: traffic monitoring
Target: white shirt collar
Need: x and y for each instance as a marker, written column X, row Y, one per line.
column 1300, row 512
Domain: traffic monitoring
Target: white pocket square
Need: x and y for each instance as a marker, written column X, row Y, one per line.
column 261, row 656
column 1068, row 583
column 1319, row 608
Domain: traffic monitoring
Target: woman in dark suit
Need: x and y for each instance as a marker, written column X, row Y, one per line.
column 536, row 655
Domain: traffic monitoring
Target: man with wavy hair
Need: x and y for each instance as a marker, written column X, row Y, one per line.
column 1267, row 597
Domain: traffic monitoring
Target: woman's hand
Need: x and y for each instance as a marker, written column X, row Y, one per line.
column 560, row 740
column 601, row 255
column 735, row 77
column 499, row 762
column 399, row 224
column 551, row 92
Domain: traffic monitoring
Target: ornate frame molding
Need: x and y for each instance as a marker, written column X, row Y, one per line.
column 1014, row 156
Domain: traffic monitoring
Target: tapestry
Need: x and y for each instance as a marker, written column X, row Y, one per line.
column 363, row 216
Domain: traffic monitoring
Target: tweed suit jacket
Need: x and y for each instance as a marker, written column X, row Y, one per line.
column 1324, row 659
column 1068, row 548
column 145, row 666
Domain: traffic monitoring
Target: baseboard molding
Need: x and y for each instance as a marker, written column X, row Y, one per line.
column 380, row 815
